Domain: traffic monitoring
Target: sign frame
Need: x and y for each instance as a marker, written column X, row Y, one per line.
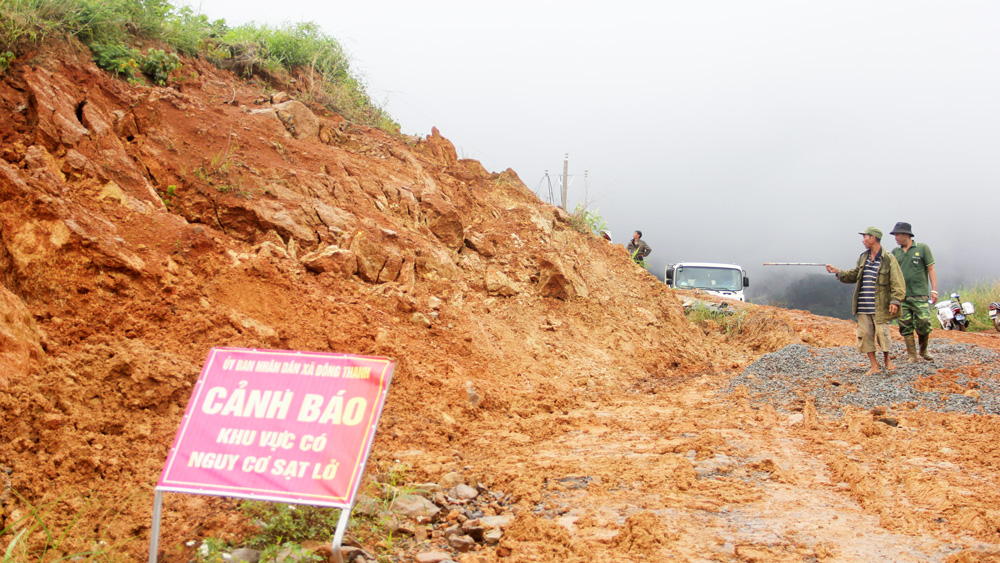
column 275, row 380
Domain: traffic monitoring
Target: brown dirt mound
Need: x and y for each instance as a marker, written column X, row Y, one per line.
column 142, row 226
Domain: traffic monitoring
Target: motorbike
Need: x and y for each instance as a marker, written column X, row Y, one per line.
column 953, row 314
column 995, row 315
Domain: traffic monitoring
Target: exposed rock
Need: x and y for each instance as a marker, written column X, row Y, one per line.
column 474, row 530
column 247, row 323
column 54, row 107
column 463, row 491
column 379, row 258
column 496, row 521
column 298, row 119
column 435, row 264
column 20, row 342
column 11, row 184
column 365, row 506
column 337, row 261
column 432, row 557
column 451, row 480
column 414, row 507
column 350, row 554
column 552, row 280
column 472, row 395
column 36, row 242
column 421, row 319
column 440, row 147
column 335, row 219
column 76, row 165
column 290, row 221
column 245, row 555
column 428, row 489
column 482, row 244
column 719, row 463
column 461, row 544
column 444, row 221
column 497, row 283
column 493, row 536
column 268, row 249
column 37, row 158
column 408, row 528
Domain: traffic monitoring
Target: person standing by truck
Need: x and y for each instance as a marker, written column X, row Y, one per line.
column 637, row 248
column 879, row 289
column 917, row 264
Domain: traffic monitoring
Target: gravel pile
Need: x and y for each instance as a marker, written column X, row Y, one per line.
column 962, row 379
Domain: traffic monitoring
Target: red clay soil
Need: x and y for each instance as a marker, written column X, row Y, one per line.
column 141, row 226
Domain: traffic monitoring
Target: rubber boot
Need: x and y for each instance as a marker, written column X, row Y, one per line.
column 911, row 349
column 925, row 339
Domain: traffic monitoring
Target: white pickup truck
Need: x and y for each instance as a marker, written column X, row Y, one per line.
column 724, row 280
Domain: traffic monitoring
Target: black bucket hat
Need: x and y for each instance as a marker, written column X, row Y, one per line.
column 901, row 228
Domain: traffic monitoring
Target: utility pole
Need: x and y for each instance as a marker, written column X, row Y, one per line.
column 565, row 178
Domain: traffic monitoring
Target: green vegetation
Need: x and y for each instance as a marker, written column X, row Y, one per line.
column 169, row 195
column 284, row 528
column 116, row 58
column 5, row 59
column 113, row 28
column 47, row 542
column 159, row 64
column 281, row 528
column 980, row 295
column 221, row 172
column 729, row 321
column 587, row 221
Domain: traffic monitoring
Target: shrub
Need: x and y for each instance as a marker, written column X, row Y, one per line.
column 729, row 321
column 158, row 65
column 5, row 58
column 116, row 58
column 587, row 221
column 280, row 523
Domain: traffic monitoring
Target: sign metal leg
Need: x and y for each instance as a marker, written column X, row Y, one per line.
column 154, row 534
column 338, row 536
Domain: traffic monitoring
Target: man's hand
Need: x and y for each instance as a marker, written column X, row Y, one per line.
column 830, row 269
column 933, row 296
column 893, row 309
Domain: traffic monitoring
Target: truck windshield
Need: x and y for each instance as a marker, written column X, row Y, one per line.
column 700, row 277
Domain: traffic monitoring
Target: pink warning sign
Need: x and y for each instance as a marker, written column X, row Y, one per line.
column 278, row 425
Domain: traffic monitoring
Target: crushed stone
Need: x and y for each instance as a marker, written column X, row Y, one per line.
column 835, row 377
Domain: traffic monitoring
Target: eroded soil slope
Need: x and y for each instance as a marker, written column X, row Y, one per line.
column 142, row 226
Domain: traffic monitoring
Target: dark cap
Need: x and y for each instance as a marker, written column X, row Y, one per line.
column 873, row 232
column 901, row 228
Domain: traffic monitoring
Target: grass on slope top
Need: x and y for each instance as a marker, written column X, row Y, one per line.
column 112, row 28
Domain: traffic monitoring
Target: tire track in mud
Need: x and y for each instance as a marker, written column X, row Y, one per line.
column 724, row 481
column 803, row 515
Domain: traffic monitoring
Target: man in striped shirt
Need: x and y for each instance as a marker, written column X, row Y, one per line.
column 879, row 290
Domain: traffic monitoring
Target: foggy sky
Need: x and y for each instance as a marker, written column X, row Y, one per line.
column 726, row 131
